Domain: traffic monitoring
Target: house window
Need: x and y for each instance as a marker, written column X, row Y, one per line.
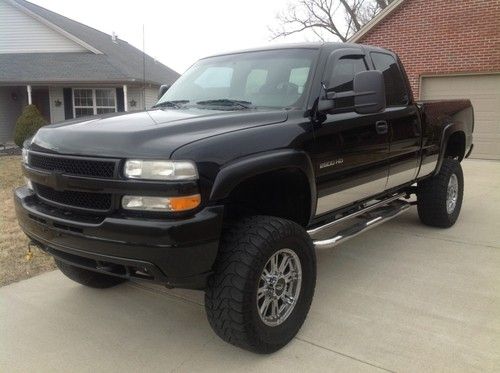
column 93, row 101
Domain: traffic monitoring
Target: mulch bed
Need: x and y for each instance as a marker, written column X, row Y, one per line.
column 9, row 151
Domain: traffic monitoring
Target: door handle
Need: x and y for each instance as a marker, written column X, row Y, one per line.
column 381, row 127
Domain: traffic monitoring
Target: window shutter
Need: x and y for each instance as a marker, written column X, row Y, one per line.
column 119, row 100
column 68, row 103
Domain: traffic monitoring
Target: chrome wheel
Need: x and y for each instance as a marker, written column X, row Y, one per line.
column 452, row 194
column 279, row 287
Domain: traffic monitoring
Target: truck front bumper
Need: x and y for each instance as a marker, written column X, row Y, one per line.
column 174, row 252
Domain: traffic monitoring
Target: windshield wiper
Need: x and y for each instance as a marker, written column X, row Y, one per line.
column 227, row 102
column 176, row 104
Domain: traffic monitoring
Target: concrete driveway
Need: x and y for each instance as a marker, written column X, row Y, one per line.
column 402, row 297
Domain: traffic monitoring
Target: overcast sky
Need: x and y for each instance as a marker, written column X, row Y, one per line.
column 179, row 32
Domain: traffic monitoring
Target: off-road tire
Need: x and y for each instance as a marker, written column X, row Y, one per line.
column 432, row 194
column 88, row 278
column 230, row 298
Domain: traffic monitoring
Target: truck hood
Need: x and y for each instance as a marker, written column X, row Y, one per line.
column 150, row 134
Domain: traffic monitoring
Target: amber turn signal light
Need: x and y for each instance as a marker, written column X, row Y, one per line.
column 185, row 203
column 167, row 204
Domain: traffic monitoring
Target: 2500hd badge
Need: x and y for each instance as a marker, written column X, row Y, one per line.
column 331, row 163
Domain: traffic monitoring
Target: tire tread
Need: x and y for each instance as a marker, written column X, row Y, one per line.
column 229, row 290
column 431, row 196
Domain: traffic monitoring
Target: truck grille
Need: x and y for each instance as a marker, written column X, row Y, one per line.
column 73, row 165
column 83, row 200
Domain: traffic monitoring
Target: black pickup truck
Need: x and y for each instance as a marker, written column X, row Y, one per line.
column 246, row 164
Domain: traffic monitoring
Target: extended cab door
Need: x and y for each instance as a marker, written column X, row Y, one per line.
column 350, row 150
column 403, row 122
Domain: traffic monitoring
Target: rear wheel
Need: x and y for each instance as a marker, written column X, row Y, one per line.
column 88, row 278
column 439, row 198
column 263, row 284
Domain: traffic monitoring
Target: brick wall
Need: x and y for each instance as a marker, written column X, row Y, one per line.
column 436, row 37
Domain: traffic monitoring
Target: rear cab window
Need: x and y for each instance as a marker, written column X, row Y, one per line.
column 298, row 76
column 396, row 93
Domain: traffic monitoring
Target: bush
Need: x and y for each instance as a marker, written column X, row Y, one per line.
column 27, row 124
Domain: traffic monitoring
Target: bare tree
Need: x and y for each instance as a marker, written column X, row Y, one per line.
column 327, row 18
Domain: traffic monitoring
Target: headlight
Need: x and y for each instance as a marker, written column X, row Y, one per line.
column 160, row 170
column 165, row 204
column 25, row 155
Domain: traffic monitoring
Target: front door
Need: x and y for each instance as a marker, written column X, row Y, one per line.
column 351, row 149
column 403, row 121
column 40, row 98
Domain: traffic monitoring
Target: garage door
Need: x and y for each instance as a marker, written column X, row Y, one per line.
column 484, row 92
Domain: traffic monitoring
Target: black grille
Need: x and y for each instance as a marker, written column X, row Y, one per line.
column 73, row 166
column 86, row 200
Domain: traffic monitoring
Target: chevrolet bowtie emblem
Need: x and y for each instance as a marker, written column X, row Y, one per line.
column 56, row 180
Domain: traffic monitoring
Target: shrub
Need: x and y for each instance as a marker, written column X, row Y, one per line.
column 27, row 124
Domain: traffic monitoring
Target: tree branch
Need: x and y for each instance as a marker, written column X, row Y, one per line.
column 382, row 4
column 337, row 18
column 353, row 16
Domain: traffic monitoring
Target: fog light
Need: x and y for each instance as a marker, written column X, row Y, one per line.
column 28, row 182
column 166, row 204
column 25, row 155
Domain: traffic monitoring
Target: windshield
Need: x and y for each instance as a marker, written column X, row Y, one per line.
column 277, row 79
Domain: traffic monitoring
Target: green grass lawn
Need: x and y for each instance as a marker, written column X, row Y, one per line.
column 14, row 264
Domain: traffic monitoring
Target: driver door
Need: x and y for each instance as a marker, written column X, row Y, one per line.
column 351, row 150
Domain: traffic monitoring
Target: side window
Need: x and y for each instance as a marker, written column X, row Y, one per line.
column 255, row 80
column 342, row 78
column 215, row 77
column 395, row 89
column 299, row 76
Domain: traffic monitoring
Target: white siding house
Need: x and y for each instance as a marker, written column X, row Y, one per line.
column 22, row 33
column 67, row 69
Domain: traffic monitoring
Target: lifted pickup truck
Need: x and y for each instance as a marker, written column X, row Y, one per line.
column 246, row 164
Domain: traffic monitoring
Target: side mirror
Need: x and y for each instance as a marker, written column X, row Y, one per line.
column 368, row 95
column 163, row 88
column 326, row 104
column 369, row 92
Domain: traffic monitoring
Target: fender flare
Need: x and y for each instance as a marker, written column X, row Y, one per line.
column 242, row 169
column 448, row 131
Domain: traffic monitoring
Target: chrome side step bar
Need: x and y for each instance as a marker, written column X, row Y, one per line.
column 368, row 218
column 384, row 202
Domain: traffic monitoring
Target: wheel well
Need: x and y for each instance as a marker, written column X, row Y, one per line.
column 283, row 193
column 455, row 147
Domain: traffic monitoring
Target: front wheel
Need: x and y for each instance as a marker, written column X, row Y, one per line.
column 263, row 285
column 439, row 198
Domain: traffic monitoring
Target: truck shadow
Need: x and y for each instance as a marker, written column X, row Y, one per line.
column 175, row 319
column 370, row 291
